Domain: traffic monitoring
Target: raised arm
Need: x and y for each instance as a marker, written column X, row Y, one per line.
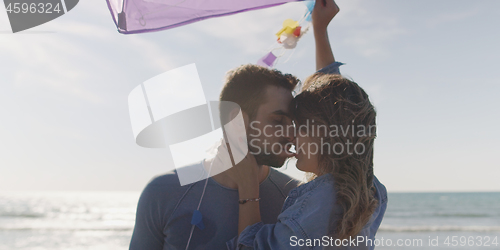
column 322, row 14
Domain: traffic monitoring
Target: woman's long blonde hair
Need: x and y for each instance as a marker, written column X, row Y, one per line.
column 331, row 100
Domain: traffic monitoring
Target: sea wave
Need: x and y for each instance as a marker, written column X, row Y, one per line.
column 22, row 214
column 66, row 228
column 463, row 215
column 388, row 228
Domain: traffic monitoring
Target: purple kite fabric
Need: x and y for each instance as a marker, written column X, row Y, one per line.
column 138, row 16
column 267, row 60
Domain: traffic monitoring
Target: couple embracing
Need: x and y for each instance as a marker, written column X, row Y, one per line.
column 331, row 124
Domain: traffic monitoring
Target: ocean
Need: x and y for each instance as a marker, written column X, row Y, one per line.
column 105, row 220
column 66, row 220
column 441, row 221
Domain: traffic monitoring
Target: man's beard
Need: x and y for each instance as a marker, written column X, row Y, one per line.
column 270, row 159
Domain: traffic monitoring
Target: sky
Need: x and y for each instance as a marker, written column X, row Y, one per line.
column 430, row 68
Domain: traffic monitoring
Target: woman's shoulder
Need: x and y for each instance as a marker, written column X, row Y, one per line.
column 381, row 190
column 314, row 188
column 311, row 206
column 312, row 197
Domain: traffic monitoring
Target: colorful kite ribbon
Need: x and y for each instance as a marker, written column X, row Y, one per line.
column 288, row 37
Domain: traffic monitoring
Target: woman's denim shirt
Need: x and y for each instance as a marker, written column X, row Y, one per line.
column 306, row 215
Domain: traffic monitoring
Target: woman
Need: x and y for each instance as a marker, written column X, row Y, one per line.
column 343, row 203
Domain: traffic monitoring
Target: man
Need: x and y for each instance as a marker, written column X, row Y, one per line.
column 165, row 208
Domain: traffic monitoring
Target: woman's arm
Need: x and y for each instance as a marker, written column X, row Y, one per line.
column 246, row 175
column 269, row 236
column 323, row 13
column 249, row 212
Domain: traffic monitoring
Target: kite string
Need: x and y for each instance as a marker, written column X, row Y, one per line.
column 199, row 204
column 304, row 17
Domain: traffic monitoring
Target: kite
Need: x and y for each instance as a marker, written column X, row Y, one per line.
column 139, row 16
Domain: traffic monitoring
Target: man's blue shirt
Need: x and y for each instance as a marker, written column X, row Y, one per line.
column 165, row 209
